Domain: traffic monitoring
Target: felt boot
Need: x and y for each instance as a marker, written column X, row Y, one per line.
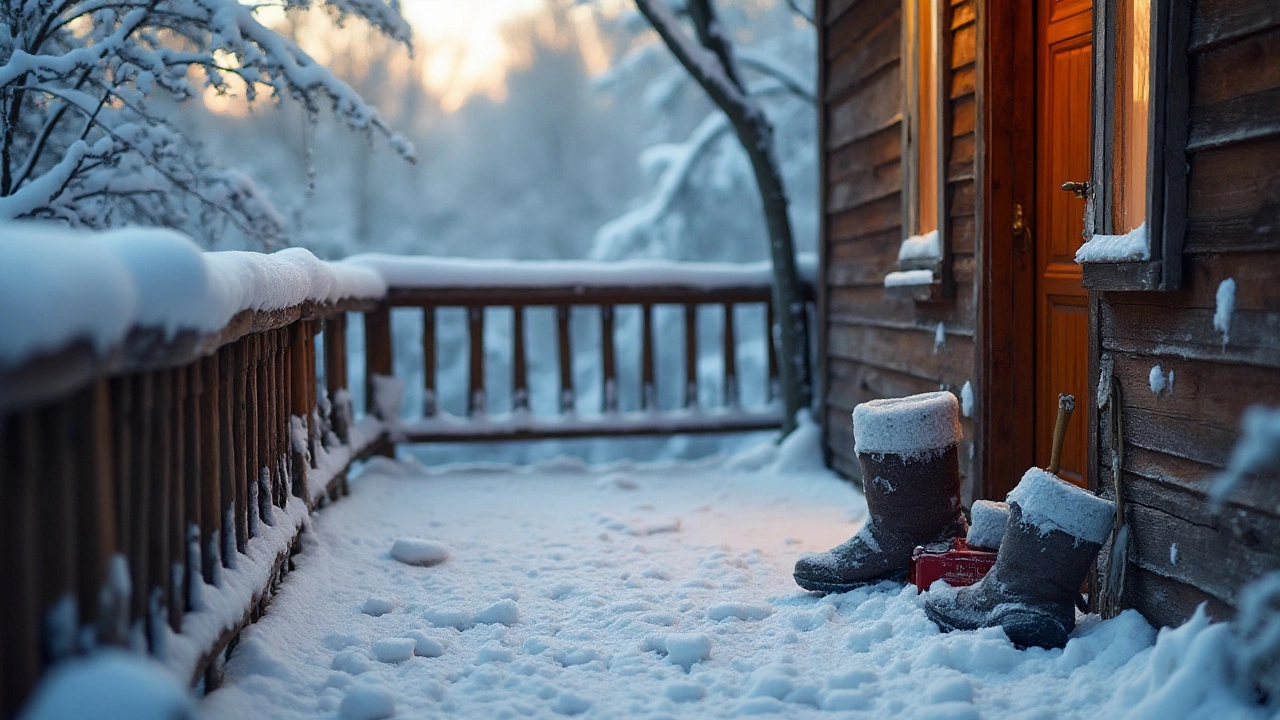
column 911, row 479
column 1053, row 537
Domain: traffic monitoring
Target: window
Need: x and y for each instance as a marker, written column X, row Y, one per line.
column 1138, row 193
column 922, row 256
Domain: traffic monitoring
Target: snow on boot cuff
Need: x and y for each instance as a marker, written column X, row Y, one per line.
column 988, row 520
column 912, row 426
column 1050, row 503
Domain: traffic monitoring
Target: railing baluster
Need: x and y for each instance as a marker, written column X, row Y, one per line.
column 192, row 477
column 519, row 366
column 241, row 445
column 691, row 355
column 563, row 315
column 730, row 359
column 335, row 374
column 609, row 396
column 123, row 429
column 144, row 474
column 253, row 428
column 476, row 398
column 56, row 560
column 227, row 455
column 648, row 386
column 771, row 386
column 430, row 400
column 377, row 346
column 270, row 432
column 297, row 404
column 211, row 470
column 161, row 479
column 177, row 527
column 98, row 527
column 20, row 634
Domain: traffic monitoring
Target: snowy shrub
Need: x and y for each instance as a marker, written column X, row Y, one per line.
column 87, row 88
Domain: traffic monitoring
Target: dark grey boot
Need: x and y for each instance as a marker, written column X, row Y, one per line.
column 911, row 479
column 1054, row 534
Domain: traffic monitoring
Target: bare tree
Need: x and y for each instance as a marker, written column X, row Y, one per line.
column 86, row 87
column 708, row 56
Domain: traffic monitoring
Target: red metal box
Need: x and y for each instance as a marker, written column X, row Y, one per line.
column 952, row 561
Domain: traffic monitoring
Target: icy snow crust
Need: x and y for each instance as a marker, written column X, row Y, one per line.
column 700, row 622
column 1053, row 504
column 59, row 285
column 1132, row 245
column 907, row 426
column 921, row 247
column 988, row 523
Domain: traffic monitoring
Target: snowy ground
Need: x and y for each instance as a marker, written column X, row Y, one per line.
column 655, row 591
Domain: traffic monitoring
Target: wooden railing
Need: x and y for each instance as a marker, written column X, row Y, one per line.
column 138, row 482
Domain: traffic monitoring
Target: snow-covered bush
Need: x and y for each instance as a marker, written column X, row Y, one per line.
column 87, row 89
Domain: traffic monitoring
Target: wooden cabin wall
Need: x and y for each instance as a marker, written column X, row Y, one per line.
column 880, row 343
column 1176, row 442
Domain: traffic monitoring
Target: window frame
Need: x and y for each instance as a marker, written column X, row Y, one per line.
column 912, row 54
column 1166, row 166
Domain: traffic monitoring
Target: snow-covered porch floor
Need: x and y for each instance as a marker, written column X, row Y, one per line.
column 654, row 591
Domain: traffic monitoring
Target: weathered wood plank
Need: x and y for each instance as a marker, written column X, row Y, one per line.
column 1232, row 198
column 852, row 27
column 908, row 351
column 964, row 81
column 862, row 188
column 1215, row 22
column 875, row 217
column 863, row 262
column 1254, row 495
column 963, row 116
column 1155, row 330
column 1164, row 601
column 865, row 155
column 863, row 60
column 874, row 106
column 964, row 45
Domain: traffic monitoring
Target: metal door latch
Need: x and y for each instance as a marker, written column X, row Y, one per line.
column 1079, row 189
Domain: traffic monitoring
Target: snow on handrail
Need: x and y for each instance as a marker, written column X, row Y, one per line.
column 58, row 286
column 424, row 272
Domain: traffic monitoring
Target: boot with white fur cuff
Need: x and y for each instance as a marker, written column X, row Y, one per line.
column 1054, row 534
column 987, row 522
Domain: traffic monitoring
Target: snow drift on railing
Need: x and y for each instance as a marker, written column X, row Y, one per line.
column 58, row 286
column 418, row 272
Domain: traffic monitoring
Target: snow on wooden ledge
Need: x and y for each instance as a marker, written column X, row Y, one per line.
column 422, row 272
column 58, row 286
column 921, row 247
column 1131, row 246
column 907, row 278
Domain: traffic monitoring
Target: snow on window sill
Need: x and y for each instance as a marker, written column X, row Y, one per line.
column 908, row 278
column 926, row 248
column 1132, row 246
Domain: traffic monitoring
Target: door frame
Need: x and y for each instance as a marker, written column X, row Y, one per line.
column 1005, row 362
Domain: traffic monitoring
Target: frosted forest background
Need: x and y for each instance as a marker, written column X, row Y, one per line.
column 593, row 144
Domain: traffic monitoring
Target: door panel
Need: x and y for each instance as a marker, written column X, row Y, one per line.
column 1064, row 75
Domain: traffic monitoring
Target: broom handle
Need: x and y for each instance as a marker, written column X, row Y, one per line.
column 1066, row 405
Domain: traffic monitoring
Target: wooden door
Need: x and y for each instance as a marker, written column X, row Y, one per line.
column 1064, row 45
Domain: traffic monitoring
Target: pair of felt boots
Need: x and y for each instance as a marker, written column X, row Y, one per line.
column 910, row 470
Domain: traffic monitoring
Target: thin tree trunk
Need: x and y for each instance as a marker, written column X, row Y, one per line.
column 710, row 62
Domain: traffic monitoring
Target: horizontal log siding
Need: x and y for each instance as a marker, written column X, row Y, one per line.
column 880, row 344
column 1176, row 442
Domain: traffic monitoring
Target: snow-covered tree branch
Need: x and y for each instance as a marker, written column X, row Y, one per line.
column 708, row 56
column 86, row 87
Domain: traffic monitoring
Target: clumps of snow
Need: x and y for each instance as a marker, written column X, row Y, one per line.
column 1257, row 627
column 367, row 702
column 1128, row 247
column 387, row 393
column 741, row 611
column 394, row 650
column 110, row 685
column 684, row 691
column 1257, row 451
column 1050, row 503
column 377, row 606
column 966, row 399
column 1160, row 381
column 641, row 526
column 417, row 551
column 1173, row 553
column 987, row 525
column 687, row 649
column 58, row 286
column 617, row 481
column 939, row 337
column 425, row 645
column 568, row 703
column 502, row 612
column 906, row 278
column 921, row 247
column 910, row 426
column 1224, row 308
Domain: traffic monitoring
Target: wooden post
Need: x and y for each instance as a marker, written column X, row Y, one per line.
column 161, row 480
column 377, row 351
column 193, row 480
column 123, row 431
column 691, row 355
column 648, row 386
column 566, row 359
column 519, row 365
column 475, row 329
column 730, row 359
column 211, row 469
column 430, row 400
column 226, row 449
column 335, row 374
column 267, row 430
column 298, row 406
column 56, row 512
column 609, row 394
column 253, row 429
